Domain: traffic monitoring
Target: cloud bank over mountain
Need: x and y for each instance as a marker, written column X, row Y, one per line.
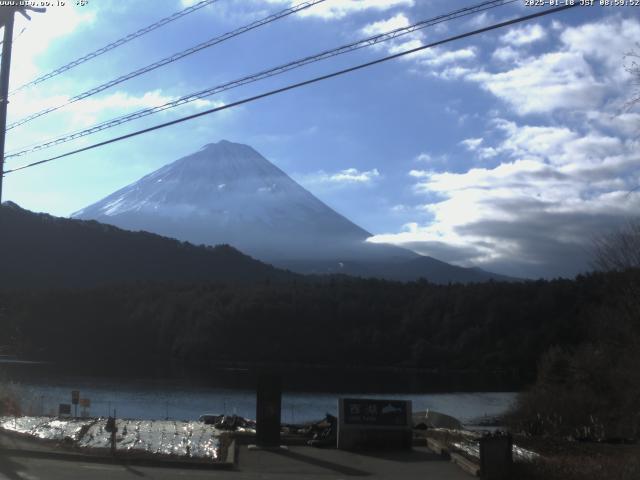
column 559, row 161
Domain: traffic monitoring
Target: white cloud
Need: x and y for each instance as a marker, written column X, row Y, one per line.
column 480, row 21
column 400, row 208
column 536, row 210
column 506, row 54
column 353, row 175
column 40, row 32
column 348, row 176
column 424, row 157
column 586, row 66
column 408, row 42
column 607, row 41
column 90, row 111
column 246, row 10
column 384, row 26
column 557, row 80
column 472, row 144
column 336, row 9
column 524, row 35
column 432, row 61
column 420, row 173
column 452, row 73
column 440, row 57
column 93, row 108
column 626, row 123
column 534, row 141
column 553, row 184
column 475, row 145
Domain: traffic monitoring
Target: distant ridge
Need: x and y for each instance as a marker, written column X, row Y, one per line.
column 42, row 251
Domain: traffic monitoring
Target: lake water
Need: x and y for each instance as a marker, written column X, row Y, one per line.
column 184, row 401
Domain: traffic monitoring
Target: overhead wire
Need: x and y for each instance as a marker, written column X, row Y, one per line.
column 299, row 85
column 15, row 37
column 373, row 40
column 170, row 59
column 117, row 43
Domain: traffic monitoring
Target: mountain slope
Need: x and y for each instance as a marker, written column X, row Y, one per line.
column 229, row 193
column 44, row 251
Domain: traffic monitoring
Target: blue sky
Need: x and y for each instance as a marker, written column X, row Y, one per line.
column 507, row 151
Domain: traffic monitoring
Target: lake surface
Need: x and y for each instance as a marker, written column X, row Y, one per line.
column 184, row 401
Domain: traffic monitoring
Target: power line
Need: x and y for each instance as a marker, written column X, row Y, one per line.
column 115, row 44
column 265, row 74
column 298, row 85
column 15, row 37
column 170, row 59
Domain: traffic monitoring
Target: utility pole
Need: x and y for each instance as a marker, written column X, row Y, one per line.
column 7, row 17
column 7, row 14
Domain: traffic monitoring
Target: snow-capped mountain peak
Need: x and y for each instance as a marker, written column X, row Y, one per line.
column 228, row 193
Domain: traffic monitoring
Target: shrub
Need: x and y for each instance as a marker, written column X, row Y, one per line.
column 9, row 400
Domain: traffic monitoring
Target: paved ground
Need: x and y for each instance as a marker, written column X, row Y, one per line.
column 296, row 463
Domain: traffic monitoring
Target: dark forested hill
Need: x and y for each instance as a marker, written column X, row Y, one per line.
column 40, row 250
column 156, row 303
column 341, row 321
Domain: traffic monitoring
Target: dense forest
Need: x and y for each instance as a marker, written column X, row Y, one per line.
column 77, row 293
column 83, row 294
column 335, row 321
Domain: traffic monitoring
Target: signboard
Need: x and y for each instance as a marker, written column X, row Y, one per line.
column 75, row 397
column 64, row 409
column 374, row 423
column 85, row 402
column 375, row 412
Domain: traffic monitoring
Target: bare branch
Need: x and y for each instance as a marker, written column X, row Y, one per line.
column 619, row 250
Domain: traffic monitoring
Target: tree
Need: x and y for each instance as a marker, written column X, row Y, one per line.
column 632, row 66
column 618, row 250
column 593, row 390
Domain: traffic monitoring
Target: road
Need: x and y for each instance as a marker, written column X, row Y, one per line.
column 295, row 463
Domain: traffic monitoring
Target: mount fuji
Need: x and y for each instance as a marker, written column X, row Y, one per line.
column 227, row 193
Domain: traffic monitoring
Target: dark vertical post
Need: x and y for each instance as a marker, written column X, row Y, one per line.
column 4, row 85
column 268, row 409
column 113, row 434
column 496, row 456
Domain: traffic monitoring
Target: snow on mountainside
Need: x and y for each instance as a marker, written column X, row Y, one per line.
column 228, row 193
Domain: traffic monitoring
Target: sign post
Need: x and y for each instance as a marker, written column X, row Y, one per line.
column 496, row 456
column 268, row 410
column 112, row 428
column 373, row 423
column 85, row 403
column 75, row 399
column 64, row 410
